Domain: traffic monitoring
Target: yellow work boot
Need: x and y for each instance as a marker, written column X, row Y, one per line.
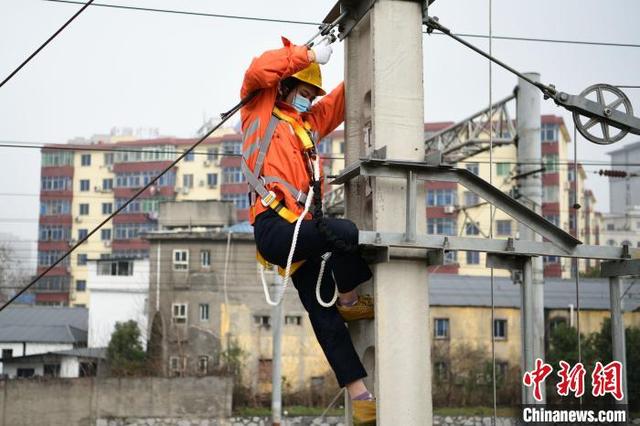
column 362, row 309
column 364, row 412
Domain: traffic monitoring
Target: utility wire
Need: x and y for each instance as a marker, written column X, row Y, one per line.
column 228, row 115
column 33, row 145
column 299, row 22
column 186, row 12
column 42, row 46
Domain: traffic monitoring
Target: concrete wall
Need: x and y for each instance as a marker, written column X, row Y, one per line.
column 67, row 402
column 196, row 213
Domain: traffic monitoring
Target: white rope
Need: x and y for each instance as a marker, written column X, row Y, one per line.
column 322, row 303
column 294, row 242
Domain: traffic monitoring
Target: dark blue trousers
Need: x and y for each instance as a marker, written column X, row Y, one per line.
column 273, row 237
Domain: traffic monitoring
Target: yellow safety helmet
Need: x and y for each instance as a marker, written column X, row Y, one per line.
column 312, row 76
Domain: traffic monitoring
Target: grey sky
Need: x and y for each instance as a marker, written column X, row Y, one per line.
column 140, row 69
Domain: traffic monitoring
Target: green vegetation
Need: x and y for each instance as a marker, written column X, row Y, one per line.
column 125, row 354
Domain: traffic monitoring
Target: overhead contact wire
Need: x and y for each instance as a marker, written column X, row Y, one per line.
column 49, row 40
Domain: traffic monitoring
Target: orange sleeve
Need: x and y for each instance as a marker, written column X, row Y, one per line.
column 328, row 113
column 273, row 66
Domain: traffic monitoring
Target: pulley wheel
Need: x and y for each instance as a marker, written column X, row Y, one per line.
column 610, row 98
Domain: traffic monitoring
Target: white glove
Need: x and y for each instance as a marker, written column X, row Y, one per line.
column 322, row 52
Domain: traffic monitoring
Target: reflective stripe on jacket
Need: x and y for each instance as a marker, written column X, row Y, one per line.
column 284, row 160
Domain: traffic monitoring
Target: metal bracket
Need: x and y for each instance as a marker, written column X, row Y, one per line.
column 508, row 262
column 620, row 268
column 491, row 194
column 435, row 257
column 356, row 9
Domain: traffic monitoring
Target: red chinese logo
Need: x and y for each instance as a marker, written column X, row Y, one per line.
column 536, row 377
column 571, row 379
column 607, row 380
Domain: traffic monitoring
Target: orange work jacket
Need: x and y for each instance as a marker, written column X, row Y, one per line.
column 285, row 158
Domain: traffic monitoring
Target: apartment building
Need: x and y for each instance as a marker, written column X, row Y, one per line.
column 81, row 184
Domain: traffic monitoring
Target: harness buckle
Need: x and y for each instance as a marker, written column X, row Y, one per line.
column 266, row 201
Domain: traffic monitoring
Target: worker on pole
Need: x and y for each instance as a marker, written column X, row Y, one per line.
column 282, row 126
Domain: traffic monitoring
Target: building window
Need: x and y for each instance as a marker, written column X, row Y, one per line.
column 81, row 285
column 473, row 258
column 550, row 194
column 500, row 328
column 550, row 163
column 85, row 160
column 471, row 198
column 293, row 320
column 84, row 185
column 82, row 233
column 503, row 169
column 105, row 234
column 548, row 133
column 107, row 184
column 441, row 197
column 107, row 208
column 115, row 268
column 262, row 320
column 84, row 209
column 212, row 180
column 471, row 229
column 190, row 156
column 547, row 260
column 441, row 226
column 177, row 365
column 187, row 181
column 205, row 258
column 503, row 227
column 610, row 227
column 108, row 158
column 204, row 311
column 553, row 218
column 473, row 168
column 7, row 353
column 212, row 154
column 179, row 313
column 450, row 257
column 241, row 201
column 441, row 328
column 556, row 322
column 25, row 372
column 82, row 259
column 203, row 364
column 232, row 175
column 180, row 260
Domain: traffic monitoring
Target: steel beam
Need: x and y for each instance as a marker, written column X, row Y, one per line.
column 502, row 201
column 491, row 245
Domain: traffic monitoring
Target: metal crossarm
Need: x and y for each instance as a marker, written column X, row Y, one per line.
column 401, row 169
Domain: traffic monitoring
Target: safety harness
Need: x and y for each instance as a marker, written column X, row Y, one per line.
column 258, row 183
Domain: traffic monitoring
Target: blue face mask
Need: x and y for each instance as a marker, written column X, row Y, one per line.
column 301, row 104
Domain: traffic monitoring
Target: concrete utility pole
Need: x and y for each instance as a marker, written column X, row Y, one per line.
column 277, row 318
column 529, row 159
column 617, row 331
column 385, row 119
